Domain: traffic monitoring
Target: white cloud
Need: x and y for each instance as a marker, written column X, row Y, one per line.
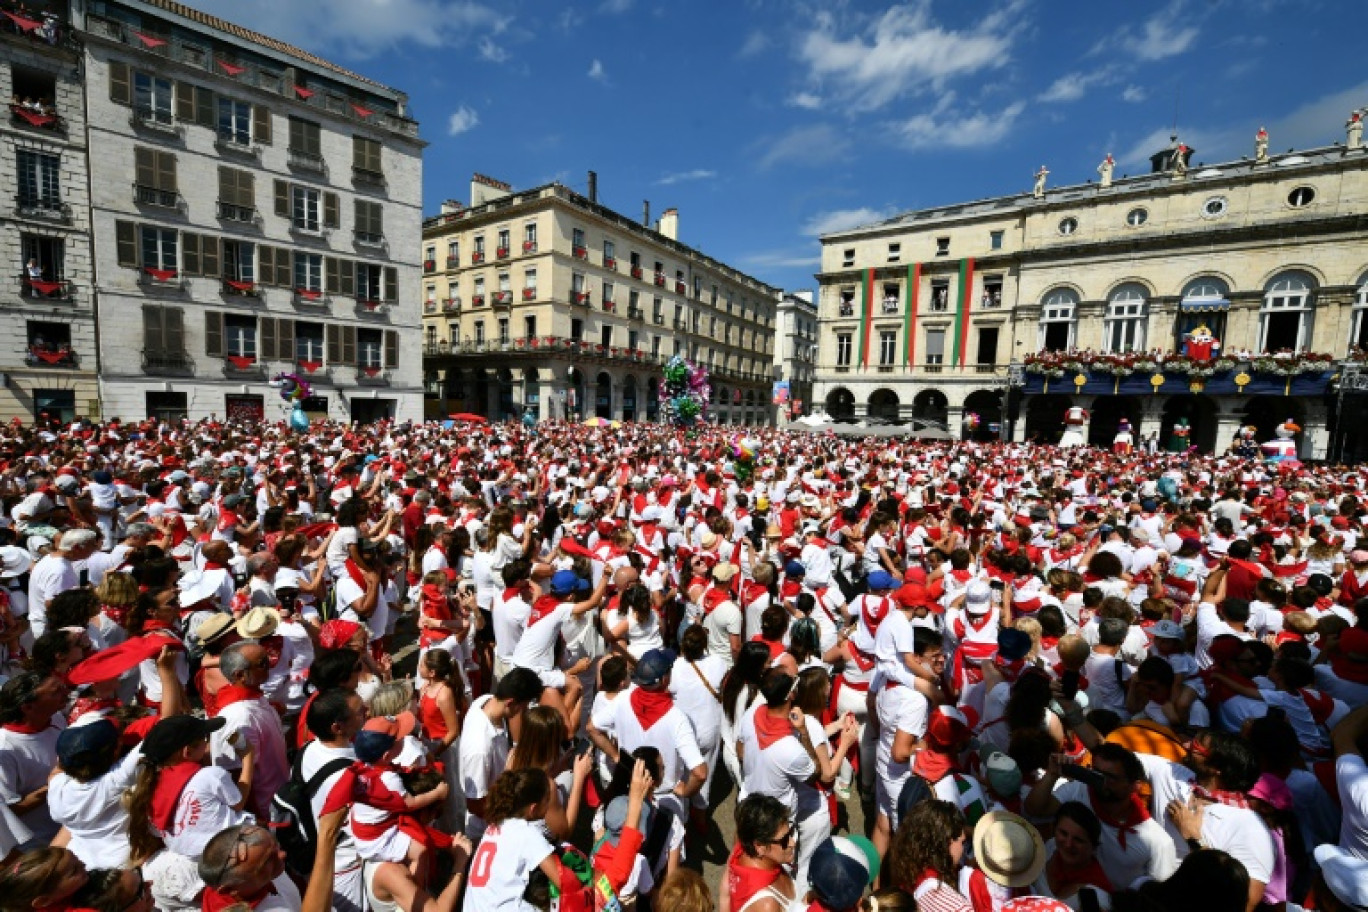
column 1168, row 33
column 819, row 144
column 491, row 51
column 462, row 119
column 678, row 177
column 757, row 42
column 781, row 259
column 340, row 29
column 939, row 130
column 1134, row 94
column 843, row 220
column 903, row 51
column 1073, row 86
column 809, row 101
column 597, row 72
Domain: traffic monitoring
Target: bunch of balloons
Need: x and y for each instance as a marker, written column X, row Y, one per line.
column 685, row 394
column 294, row 390
column 743, row 458
column 971, row 420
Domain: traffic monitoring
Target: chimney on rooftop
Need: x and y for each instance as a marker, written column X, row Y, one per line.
column 593, row 186
column 450, row 206
column 483, row 189
column 646, row 213
column 669, row 224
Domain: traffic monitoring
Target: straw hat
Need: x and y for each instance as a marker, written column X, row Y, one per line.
column 258, row 623
column 1009, row 849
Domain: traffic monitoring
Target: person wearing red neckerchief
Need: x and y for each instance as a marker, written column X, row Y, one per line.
column 29, row 728
column 756, row 878
column 252, row 742
column 243, row 865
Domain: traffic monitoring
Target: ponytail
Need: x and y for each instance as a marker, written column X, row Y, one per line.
column 143, row 842
column 515, row 790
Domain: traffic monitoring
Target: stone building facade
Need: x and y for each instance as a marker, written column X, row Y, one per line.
column 795, row 356
column 1092, row 289
column 47, row 299
column 546, row 300
column 255, row 211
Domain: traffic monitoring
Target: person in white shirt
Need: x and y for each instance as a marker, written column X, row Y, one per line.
column 29, row 729
column 696, row 685
column 334, row 718
column 513, row 845
column 57, row 572
column 250, row 719
column 485, row 742
column 244, row 864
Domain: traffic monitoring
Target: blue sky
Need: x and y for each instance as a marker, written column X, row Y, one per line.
column 766, row 123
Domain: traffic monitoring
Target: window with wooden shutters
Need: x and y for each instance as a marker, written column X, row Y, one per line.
column 213, row 333
column 155, row 174
column 126, row 243
column 163, row 335
column 370, row 227
column 205, row 114
column 261, row 124
column 185, row 102
column 305, row 137
column 237, row 195
column 211, row 262
column 268, row 338
column 120, row 83
column 283, row 266
column 154, row 336
column 266, row 265
column 332, row 217
column 366, row 156
column 391, row 348
column 334, row 336
column 391, row 284
column 348, row 344
column 285, row 343
column 347, row 286
column 190, row 254
column 282, row 199
column 332, row 275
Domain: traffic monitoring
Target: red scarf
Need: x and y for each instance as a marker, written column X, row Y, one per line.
column 435, row 606
column 356, row 574
column 212, row 900
column 771, row 729
column 166, row 795
column 234, row 693
column 543, row 607
column 1091, row 875
column 117, row 613
column 752, row 592
column 1321, row 705
column 1136, row 813
column 23, row 728
column 650, row 706
column 214, row 565
column 933, row 766
column 713, row 597
column 1222, row 796
column 744, row 882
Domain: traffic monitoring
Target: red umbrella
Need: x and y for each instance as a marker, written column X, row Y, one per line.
column 469, row 416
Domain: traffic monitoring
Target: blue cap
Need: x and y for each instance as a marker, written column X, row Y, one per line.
column 880, row 579
column 90, row 738
column 565, row 582
column 1013, row 644
column 370, row 746
column 794, row 568
column 838, row 873
column 653, row 667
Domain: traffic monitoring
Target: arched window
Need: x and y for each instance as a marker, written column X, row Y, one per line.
column 1058, row 312
column 1124, row 326
column 1285, row 321
column 1206, row 300
column 1358, row 334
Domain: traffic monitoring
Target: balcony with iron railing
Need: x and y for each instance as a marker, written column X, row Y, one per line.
column 41, row 289
column 232, row 212
column 579, row 297
column 154, row 278
column 42, row 207
column 309, row 297
column 477, row 300
column 372, row 375
column 162, row 363
column 371, row 307
column 635, row 313
column 144, row 195
column 243, row 367
column 659, row 279
column 234, row 287
column 658, row 319
column 477, row 257
column 610, row 263
column 315, row 370
column 41, row 118
column 580, row 253
column 529, row 247
column 235, row 144
column 502, row 299
column 544, row 346
column 501, row 253
column 51, row 356
column 368, row 177
column 369, row 239
column 38, row 32
column 452, row 305
column 529, row 294
column 300, row 160
column 636, row 272
column 453, row 262
column 156, row 123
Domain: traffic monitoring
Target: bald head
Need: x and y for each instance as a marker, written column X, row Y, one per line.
column 624, row 577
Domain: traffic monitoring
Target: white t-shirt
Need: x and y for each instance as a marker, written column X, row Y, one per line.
column 1104, row 691
column 93, row 813
column 892, row 641
column 509, row 617
column 536, row 647
column 1352, row 775
column 260, row 724
column 26, row 761
column 51, row 575
column 672, row 734
column 641, row 638
column 1148, row 851
column 501, row 866
column 316, row 756
column 205, row 809
column 349, row 593
column 483, row 755
column 339, row 549
column 695, row 700
column 899, row 709
column 722, row 623
column 774, row 770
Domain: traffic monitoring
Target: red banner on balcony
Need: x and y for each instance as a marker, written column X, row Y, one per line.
column 231, row 69
column 303, row 93
column 310, row 367
column 51, row 357
column 161, row 275
column 361, row 111
column 308, row 294
column 241, row 362
column 243, row 287
column 148, row 41
column 44, row 287
column 33, row 117
column 370, row 371
column 25, row 24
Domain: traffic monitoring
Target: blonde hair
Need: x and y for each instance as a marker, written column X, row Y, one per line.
column 685, row 891
column 1031, row 627
column 1073, row 651
column 117, row 589
column 1300, row 622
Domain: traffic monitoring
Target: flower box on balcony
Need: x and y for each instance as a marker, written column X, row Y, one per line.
column 520, row 343
column 477, row 300
column 451, row 304
column 610, row 262
column 580, row 297
column 609, row 306
column 241, row 362
column 501, row 253
column 550, row 341
column 369, row 304
column 234, row 287
column 660, row 279
column 477, row 257
column 580, row 253
column 636, row 272
column 503, row 297
column 309, row 367
column 529, row 246
column 598, row 348
column 529, row 294
column 429, row 265
column 679, row 288
column 309, row 295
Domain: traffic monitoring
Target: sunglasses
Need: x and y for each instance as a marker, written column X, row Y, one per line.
column 784, row 841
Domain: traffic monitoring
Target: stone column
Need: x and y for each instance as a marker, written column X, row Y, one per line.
column 1151, row 420
column 1228, row 422
column 954, row 421
column 1315, row 442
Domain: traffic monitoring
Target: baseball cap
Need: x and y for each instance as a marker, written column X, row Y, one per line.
column 1013, row 644
column 615, row 818
column 653, row 667
column 794, row 568
column 978, row 594
column 175, row 732
column 1003, row 775
column 1167, row 630
column 80, row 740
column 564, row 582
column 840, row 870
column 881, row 580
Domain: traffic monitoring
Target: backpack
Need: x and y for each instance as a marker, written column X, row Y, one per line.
column 292, row 818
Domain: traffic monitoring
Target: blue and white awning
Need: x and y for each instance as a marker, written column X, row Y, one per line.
column 1204, row 305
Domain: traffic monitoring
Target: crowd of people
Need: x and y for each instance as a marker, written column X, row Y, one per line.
column 949, row 676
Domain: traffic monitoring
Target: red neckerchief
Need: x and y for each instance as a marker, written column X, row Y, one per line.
column 357, row 575
column 752, row 592
column 23, row 728
column 152, row 624
column 1090, row 875
column 1135, row 814
column 933, row 766
column 790, row 589
column 771, row 729
column 863, row 660
column 116, row 613
column 1222, row 796
column 212, row 900
column 775, row 647
column 543, row 607
column 650, row 706
column 884, row 605
column 743, row 882
column 171, row 784
column 214, row 565
column 713, row 597
column 234, row 693
column 1321, row 705
column 91, row 705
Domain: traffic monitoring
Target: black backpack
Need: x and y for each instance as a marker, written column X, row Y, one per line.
column 292, row 816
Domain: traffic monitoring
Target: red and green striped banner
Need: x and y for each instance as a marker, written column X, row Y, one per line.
column 866, row 315
column 963, row 306
column 910, row 295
